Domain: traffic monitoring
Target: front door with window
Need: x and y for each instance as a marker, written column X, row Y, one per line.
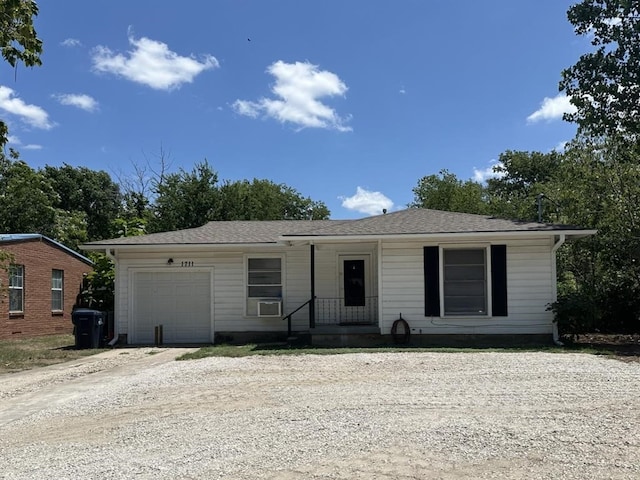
column 356, row 303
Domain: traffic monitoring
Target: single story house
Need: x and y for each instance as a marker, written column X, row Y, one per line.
column 40, row 289
column 444, row 273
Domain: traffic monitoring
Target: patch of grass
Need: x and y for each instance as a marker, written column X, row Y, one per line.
column 283, row 349
column 28, row 353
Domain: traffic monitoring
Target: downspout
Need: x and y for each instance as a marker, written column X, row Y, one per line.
column 554, row 284
column 112, row 257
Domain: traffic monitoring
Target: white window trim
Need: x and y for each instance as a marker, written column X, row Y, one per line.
column 466, row 246
column 16, row 288
column 283, row 278
column 61, row 290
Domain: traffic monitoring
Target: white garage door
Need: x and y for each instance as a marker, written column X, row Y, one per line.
column 179, row 301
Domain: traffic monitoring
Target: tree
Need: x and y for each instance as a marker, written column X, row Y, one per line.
column 604, row 85
column 91, row 192
column 26, row 199
column 185, row 199
column 70, row 228
column 522, row 176
column 98, row 288
column 266, row 200
column 598, row 187
column 446, row 192
column 18, row 39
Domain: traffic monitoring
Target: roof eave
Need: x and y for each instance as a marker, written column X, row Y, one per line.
column 294, row 239
column 436, row 236
column 163, row 246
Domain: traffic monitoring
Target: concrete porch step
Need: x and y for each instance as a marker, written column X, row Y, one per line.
column 344, row 330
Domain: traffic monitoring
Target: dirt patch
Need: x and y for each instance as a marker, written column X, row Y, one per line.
column 625, row 347
column 27, row 353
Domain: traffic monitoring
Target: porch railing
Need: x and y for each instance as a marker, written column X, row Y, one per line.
column 288, row 317
column 332, row 311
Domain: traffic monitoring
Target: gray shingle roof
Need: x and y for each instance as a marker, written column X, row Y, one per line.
column 424, row 221
column 225, row 233
column 405, row 222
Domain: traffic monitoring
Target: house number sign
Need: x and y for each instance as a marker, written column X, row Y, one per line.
column 186, row 264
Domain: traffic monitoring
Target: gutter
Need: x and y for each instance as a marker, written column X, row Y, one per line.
column 554, row 283
column 461, row 236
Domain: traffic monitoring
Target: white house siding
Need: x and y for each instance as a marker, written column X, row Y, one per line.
column 327, row 265
column 529, row 290
column 529, row 272
column 229, row 281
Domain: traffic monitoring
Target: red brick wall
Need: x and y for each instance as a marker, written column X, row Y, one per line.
column 39, row 257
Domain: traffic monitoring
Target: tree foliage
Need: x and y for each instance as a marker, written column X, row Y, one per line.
column 521, row 177
column 266, row 200
column 190, row 199
column 19, row 41
column 446, row 192
column 600, row 189
column 604, row 84
column 93, row 193
column 185, row 199
column 26, row 199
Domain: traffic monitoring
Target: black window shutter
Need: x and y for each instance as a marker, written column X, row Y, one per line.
column 499, row 280
column 431, row 282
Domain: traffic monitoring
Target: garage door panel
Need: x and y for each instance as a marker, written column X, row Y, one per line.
column 179, row 301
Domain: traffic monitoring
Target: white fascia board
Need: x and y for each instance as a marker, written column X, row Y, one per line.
column 437, row 236
column 177, row 246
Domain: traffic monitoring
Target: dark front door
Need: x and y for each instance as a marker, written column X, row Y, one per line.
column 354, row 284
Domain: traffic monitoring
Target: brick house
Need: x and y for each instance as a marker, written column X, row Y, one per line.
column 41, row 287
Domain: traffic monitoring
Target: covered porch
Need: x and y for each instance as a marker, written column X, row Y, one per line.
column 343, row 294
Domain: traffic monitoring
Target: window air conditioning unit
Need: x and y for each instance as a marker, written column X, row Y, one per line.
column 270, row 308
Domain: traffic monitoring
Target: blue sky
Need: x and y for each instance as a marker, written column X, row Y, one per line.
column 349, row 102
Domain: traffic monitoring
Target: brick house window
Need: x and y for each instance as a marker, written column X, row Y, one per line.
column 16, row 289
column 57, row 290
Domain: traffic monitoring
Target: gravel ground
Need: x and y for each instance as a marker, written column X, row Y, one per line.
column 130, row 414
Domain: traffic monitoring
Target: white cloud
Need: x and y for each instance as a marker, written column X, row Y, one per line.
column 244, row 107
column 151, row 63
column 482, row 175
column 80, row 100
column 31, row 114
column 552, row 109
column 298, row 89
column 560, row 147
column 13, row 140
column 71, row 42
column 364, row 201
column 613, row 21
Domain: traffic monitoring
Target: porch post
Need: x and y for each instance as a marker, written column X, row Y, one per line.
column 312, row 269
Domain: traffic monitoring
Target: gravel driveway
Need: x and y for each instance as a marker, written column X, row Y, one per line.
column 134, row 414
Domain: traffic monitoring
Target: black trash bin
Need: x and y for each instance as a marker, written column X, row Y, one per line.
column 88, row 327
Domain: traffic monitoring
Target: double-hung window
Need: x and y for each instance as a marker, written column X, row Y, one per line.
column 57, row 290
column 465, row 281
column 264, row 282
column 464, row 275
column 16, row 289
